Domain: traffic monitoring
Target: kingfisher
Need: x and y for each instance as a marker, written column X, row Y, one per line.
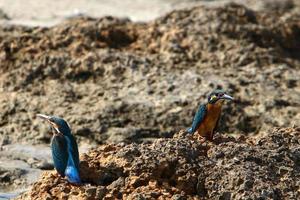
column 207, row 117
column 64, row 149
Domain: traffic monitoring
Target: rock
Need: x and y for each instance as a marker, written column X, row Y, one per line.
column 117, row 81
column 15, row 175
column 91, row 192
column 44, row 165
column 23, row 164
column 145, row 80
column 183, row 168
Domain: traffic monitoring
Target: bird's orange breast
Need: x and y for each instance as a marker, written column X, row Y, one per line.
column 210, row 121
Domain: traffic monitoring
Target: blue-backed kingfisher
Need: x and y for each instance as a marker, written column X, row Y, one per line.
column 207, row 117
column 64, row 149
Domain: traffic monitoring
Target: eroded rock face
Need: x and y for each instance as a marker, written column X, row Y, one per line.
column 110, row 76
column 182, row 167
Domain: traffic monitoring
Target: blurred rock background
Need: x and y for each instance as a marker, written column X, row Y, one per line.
column 115, row 80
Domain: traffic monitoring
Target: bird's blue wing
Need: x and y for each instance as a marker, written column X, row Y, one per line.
column 72, row 171
column 59, row 154
column 199, row 117
column 73, row 150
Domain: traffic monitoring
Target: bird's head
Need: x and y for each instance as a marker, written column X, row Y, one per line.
column 58, row 125
column 218, row 96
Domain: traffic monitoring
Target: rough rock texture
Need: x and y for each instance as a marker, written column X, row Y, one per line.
column 117, row 81
column 183, row 168
column 114, row 80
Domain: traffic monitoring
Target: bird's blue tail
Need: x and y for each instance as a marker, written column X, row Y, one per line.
column 72, row 175
column 189, row 130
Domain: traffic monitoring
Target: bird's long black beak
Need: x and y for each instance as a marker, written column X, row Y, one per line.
column 50, row 121
column 227, row 97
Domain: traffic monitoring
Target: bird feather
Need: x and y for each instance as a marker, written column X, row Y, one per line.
column 199, row 117
column 59, row 153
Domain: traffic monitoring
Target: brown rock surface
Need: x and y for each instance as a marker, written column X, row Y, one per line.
column 118, row 81
column 114, row 80
column 183, row 168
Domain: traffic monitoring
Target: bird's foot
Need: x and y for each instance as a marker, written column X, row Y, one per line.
column 204, row 139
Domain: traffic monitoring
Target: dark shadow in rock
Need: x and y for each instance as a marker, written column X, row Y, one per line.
column 101, row 176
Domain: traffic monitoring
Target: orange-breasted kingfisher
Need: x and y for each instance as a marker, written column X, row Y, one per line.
column 64, row 149
column 207, row 117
